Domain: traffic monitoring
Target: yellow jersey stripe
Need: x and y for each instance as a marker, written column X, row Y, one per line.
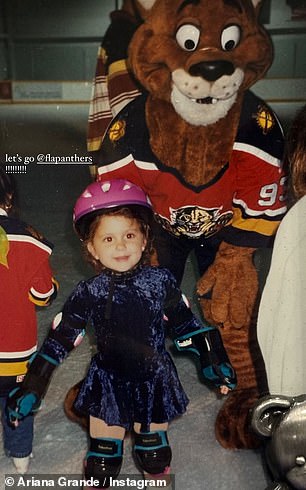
column 13, row 368
column 257, row 225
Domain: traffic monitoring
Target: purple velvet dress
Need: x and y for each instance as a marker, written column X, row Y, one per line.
column 132, row 377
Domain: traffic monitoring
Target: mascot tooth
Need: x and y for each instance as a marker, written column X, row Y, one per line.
column 194, row 97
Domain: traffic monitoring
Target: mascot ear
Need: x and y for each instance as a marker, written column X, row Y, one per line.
column 267, row 411
column 262, row 49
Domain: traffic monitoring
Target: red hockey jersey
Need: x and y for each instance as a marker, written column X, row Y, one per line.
column 244, row 203
column 25, row 281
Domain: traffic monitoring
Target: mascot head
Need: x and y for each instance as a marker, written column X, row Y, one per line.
column 199, row 55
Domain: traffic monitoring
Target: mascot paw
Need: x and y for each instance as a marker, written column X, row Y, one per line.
column 69, row 409
column 232, row 427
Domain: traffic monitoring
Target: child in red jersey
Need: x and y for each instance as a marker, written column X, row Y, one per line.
column 25, row 281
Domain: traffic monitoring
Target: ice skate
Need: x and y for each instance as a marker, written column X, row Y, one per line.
column 103, row 461
column 153, row 455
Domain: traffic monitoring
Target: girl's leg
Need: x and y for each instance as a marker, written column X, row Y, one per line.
column 153, row 427
column 17, row 441
column 99, row 429
column 104, row 458
column 152, row 450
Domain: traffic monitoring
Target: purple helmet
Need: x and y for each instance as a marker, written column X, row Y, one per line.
column 105, row 195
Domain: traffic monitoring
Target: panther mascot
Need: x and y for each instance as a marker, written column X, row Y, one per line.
column 208, row 152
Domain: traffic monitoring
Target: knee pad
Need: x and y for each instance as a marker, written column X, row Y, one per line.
column 152, row 451
column 103, row 460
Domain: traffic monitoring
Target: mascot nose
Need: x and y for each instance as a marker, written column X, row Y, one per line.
column 212, row 70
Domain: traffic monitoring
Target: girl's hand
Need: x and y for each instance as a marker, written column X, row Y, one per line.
column 224, row 390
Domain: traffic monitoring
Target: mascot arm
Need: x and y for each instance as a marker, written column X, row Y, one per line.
column 229, row 287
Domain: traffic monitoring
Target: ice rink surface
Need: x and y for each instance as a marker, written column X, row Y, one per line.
column 47, row 194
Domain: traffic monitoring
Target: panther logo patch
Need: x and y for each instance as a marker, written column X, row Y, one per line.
column 264, row 119
column 117, row 130
column 194, row 221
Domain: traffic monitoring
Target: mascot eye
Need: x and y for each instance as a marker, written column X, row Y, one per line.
column 188, row 37
column 230, row 37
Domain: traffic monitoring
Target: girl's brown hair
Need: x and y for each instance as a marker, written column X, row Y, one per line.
column 141, row 215
column 296, row 154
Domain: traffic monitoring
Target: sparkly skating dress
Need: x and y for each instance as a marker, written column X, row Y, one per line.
column 132, row 377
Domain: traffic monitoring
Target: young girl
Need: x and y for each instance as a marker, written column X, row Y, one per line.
column 132, row 382
column 25, row 281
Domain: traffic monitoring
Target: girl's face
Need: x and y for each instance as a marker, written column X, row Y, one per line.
column 118, row 243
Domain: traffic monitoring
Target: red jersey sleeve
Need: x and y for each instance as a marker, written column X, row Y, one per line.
column 259, row 200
